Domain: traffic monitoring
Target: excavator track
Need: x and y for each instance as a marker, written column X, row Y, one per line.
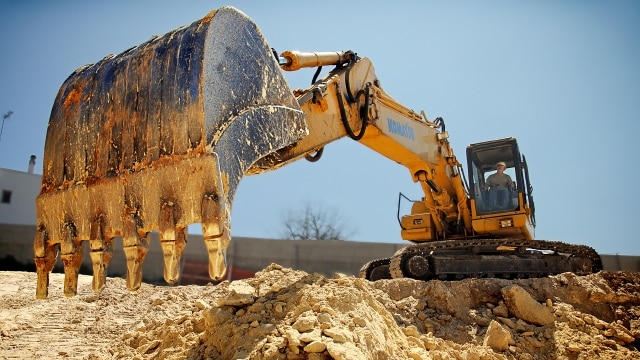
column 477, row 258
column 376, row 270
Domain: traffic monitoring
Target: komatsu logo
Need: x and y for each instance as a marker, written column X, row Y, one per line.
column 403, row 130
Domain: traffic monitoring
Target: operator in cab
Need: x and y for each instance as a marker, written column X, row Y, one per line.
column 498, row 185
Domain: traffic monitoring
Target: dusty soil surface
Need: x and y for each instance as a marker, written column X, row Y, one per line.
column 285, row 314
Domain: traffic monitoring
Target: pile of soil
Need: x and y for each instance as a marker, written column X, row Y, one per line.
column 287, row 314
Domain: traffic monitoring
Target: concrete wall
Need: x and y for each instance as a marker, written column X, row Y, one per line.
column 621, row 262
column 17, row 241
column 325, row 257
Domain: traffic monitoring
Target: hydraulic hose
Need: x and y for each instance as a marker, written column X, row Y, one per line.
column 315, row 156
column 343, row 114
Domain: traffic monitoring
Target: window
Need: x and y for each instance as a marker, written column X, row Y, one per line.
column 483, row 162
column 6, row 196
column 502, row 198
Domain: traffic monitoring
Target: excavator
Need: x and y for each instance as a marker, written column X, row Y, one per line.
column 158, row 138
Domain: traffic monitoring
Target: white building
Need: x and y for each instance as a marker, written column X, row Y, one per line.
column 18, row 192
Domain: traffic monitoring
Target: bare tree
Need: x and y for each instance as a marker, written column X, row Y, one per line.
column 315, row 223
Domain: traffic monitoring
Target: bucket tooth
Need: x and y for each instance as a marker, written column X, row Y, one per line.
column 101, row 253
column 217, row 248
column 213, row 216
column 45, row 260
column 172, row 240
column 216, row 235
column 71, row 254
column 172, row 251
column 135, row 249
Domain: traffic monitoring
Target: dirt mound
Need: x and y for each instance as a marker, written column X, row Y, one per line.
column 286, row 314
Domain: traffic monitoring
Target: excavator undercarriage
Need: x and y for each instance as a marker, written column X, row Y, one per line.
column 477, row 258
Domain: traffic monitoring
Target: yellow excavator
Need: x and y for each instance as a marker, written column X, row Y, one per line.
column 158, row 138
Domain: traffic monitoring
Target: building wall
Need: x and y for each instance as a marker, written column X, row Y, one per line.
column 23, row 187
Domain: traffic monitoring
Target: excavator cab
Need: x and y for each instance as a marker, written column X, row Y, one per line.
column 508, row 197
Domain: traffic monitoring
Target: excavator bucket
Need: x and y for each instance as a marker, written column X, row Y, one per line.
column 157, row 138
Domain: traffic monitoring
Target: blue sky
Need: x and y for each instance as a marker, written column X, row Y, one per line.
column 563, row 77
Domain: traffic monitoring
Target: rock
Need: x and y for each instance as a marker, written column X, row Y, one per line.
column 421, row 305
column 270, row 351
column 418, row 354
column 338, row 335
column 523, row 306
column 510, row 323
column 315, row 347
column 305, row 323
column 344, row 351
column 236, row 299
column 150, row 347
column 429, row 342
column 200, row 304
column 324, row 318
column 280, row 307
column 326, row 309
column 215, row 316
column 574, row 348
column 359, row 321
column 620, row 332
column 311, row 336
column 501, row 310
column 521, row 325
column 497, row 337
column 293, row 339
column 534, row 342
column 483, row 321
column 411, row 331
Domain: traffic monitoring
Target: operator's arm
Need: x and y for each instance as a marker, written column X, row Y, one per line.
column 487, row 184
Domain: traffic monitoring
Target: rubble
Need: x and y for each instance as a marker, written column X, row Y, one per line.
column 287, row 314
